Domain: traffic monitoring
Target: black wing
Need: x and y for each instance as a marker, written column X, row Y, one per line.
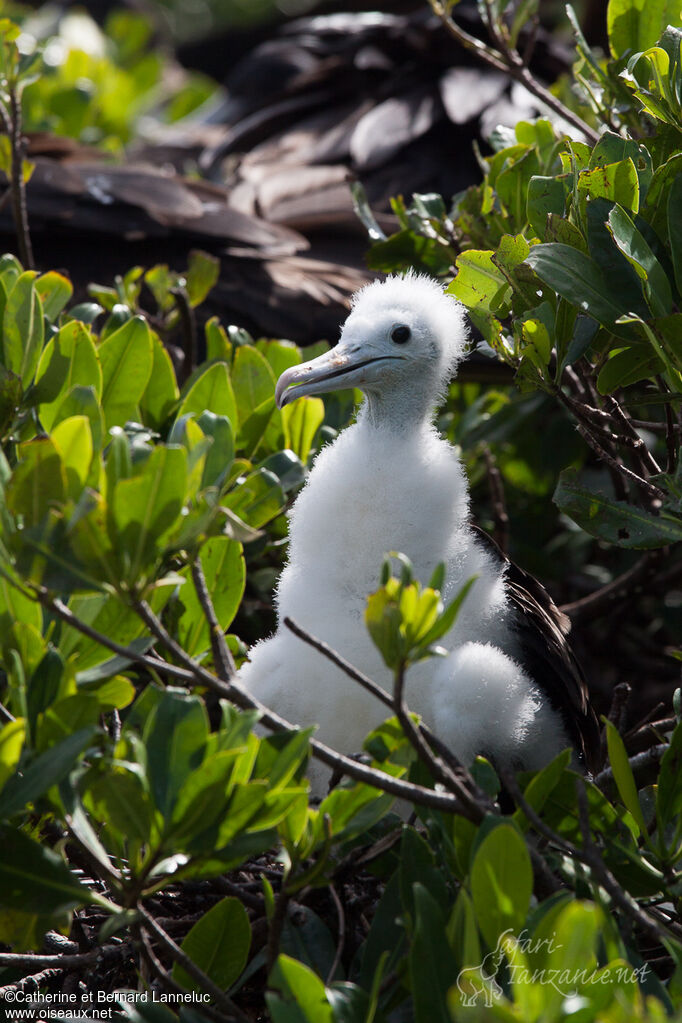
column 542, row 629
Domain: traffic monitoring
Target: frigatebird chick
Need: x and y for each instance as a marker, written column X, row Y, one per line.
column 509, row 687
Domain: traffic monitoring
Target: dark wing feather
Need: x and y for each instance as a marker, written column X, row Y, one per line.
column 542, row 629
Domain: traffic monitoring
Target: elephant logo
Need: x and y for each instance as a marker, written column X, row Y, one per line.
column 474, row 982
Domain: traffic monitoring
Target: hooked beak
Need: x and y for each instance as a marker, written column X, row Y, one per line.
column 337, row 369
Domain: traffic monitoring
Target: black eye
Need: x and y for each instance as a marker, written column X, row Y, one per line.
column 400, row 333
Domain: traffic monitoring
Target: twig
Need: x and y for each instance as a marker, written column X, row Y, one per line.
column 222, row 657
column 167, row 980
column 12, row 124
column 189, row 331
column 592, row 858
column 496, row 487
column 62, row 961
column 619, row 704
column 275, row 925
column 604, row 599
column 654, row 492
column 638, row 764
column 34, row 980
column 178, row 956
column 449, row 771
column 512, row 63
column 341, row 916
column 632, row 438
column 590, row 855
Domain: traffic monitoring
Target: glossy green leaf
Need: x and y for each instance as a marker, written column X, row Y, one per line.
column 256, row 499
column 501, row 883
column 202, row 274
column 221, row 453
column 577, row 278
column 219, row 944
column 669, row 790
column 622, row 774
column 161, row 393
column 617, row 182
column 479, row 282
column 146, row 507
column 43, row 771
column 210, row 390
column 119, row 801
column 38, row 483
column 22, row 328
column 54, row 291
column 252, row 379
column 12, row 737
column 638, row 253
column 301, row 420
column 69, row 360
column 615, row 521
column 35, row 879
column 73, row 440
column 628, row 366
column 432, row 965
column 675, row 227
column 175, row 736
column 297, row 994
column 635, row 25
column 126, row 357
column 545, row 195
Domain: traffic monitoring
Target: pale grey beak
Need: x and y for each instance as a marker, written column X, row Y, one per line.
column 335, row 370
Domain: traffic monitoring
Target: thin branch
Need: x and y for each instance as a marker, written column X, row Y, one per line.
column 35, row 981
column 638, row 764
column 591, row 857
column 496, row 488
column 189, row 330
column 341, row 916
column 18, row 184
column 180, row 957
column 632, row 438
column 444, row 766
column 654, row 492
column 512, row 63
column 222, row 658
column 603, row 600
column 166, row 978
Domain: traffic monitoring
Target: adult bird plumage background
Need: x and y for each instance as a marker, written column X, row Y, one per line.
column 509, row 686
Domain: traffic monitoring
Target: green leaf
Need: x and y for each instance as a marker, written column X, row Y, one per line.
column 175, row 736
column 220, row 455
column 73, row 441
column 628, row 366
column 38, row 482
column 479, row 282
column 22, row 328
column 622, row 524
column 669, row 790
column 34, row 879
column 545, row 195
column 617, row 182
column 432, row 965
column 252, row 379
column 577, row 278
column 54, row 291
column 219, row 944
column 635, row 25
column 501, row 883
column 622, row 774
column 211, row 390
column 118, row 801
column 146, row 507
column 636, row 250
column 126, row 357
column 675, row 228
column 161, row 393
column 295, row 987
column 301, row 420
column 225, row 573
column 69, row 360
column 257, row 499
column 43, row 772
column 202, row 274
column 12, row 736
